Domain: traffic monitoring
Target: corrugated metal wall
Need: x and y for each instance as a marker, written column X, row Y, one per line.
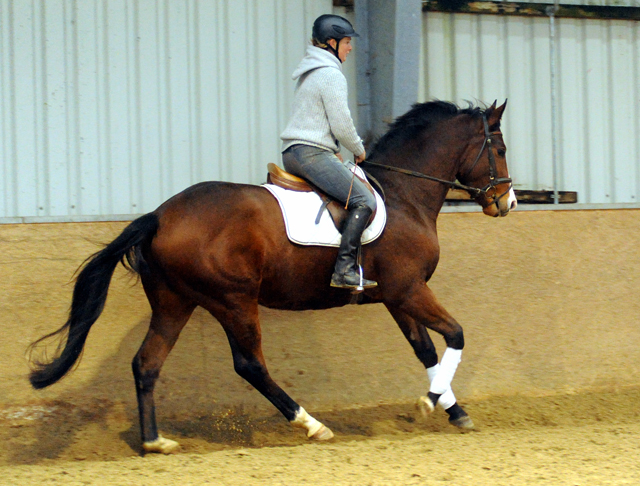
column 112, row 106
column 487, row 57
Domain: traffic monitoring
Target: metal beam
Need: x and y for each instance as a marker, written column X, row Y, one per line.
column 387, row 58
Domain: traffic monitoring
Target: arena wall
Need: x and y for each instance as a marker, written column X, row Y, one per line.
column 548, row 301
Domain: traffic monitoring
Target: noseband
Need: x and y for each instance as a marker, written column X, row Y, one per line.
column 474, row 191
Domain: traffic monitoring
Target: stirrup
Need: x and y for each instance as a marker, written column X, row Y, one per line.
column 337, row 281
column 355, row 289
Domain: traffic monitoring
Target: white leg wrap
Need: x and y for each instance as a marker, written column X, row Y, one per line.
column 447, row 399
column 432, row 372
column 303, row 419
column 448, row 366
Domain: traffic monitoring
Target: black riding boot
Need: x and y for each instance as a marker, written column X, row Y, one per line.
column 346, row 273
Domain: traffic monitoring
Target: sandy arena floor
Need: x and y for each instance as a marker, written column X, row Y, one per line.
column 583, row 439
column 551, row 328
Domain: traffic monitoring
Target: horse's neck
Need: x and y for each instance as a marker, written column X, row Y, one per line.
column 425, row 196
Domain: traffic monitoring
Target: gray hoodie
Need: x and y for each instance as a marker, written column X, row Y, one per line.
column 320, row 113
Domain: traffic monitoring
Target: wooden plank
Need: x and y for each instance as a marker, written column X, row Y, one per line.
column 524, row 196
column 344, row 3
column 545, row 197
column 523, row 9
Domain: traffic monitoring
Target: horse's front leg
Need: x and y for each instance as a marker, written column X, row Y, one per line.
column 414, row 316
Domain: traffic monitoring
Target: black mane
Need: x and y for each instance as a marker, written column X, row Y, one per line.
column 417, row 119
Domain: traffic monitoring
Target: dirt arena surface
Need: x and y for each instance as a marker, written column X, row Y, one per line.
column 550, row 371
column 582, row 439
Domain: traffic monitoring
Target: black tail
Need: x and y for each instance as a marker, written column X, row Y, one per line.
column 89, row 296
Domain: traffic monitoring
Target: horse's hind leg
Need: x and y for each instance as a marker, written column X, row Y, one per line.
column 170, row 314
column 241, row 324
column 423, row 346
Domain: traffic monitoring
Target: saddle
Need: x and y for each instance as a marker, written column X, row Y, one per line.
column 286, row 180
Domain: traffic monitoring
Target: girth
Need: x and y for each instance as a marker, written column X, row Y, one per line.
column 286, row 180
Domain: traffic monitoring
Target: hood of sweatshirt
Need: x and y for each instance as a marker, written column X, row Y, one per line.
column 316, row 58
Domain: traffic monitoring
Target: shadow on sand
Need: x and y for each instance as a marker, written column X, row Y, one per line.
column 200, row 402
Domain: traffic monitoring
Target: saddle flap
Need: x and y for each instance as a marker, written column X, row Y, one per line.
column 299, row 210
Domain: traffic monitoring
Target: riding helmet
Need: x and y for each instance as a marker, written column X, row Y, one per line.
column 332, row 27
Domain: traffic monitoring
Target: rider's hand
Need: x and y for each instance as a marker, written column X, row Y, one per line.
column 339, row 155
column 361, row 157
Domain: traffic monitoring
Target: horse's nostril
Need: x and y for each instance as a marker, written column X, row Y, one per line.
column 514, row 204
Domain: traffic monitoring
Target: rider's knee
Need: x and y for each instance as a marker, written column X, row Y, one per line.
column 368, row 200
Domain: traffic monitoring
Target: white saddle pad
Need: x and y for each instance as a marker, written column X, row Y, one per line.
column 300, row 210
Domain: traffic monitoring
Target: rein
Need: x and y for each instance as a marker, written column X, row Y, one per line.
column 474, row 191
column 453, row 184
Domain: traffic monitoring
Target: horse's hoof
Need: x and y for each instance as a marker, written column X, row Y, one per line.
column 162, row 445
column 463, row 422
column 425, row 405
column 323, row 433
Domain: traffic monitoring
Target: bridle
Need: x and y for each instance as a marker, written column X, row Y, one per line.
column 474, row 191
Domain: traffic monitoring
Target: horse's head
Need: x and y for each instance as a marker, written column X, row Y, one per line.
column 485, row 165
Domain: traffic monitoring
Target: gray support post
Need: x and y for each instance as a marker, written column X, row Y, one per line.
column 388, row 56
column 551, row 11
column 363, row 69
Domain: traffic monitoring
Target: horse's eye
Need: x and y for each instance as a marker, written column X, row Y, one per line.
column 502, row 153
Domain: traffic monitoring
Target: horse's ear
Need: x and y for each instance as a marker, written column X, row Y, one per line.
column 494, row 114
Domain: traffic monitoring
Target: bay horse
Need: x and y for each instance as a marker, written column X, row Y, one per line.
column 223, row 246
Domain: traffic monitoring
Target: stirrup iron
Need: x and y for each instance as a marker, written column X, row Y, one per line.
column 360, row 288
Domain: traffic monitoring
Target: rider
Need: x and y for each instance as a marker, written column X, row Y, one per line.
column 321, row 121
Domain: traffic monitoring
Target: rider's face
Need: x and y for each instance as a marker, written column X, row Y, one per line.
column 344, row 47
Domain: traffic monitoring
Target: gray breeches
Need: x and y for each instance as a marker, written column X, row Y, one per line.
column 323, row 169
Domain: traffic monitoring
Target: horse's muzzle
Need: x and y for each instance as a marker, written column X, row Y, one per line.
column 500, row 203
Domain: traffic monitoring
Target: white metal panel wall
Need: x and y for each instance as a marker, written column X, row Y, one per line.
column 487, row 57
column 112, row 106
